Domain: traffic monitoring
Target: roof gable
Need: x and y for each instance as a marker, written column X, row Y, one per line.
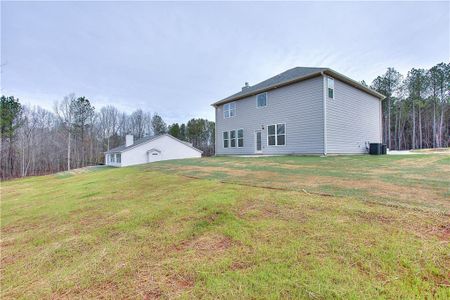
column 147, row 139
column 291, row 76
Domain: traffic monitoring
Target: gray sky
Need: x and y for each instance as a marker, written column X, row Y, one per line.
column 176, row 58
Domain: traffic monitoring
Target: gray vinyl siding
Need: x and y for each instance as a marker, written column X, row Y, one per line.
column 353, row 118
column 299, row 106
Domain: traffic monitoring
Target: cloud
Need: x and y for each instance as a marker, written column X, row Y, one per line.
column 177, row 58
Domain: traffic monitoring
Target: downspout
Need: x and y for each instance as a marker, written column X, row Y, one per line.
column 324, row 94
column 216, row 134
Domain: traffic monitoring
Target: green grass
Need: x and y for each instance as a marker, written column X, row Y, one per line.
column 232, row 228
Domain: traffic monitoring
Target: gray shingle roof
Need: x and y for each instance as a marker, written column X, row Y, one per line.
column 288, row 76
column 148, row 139
column 137, row 142
column 280, row 78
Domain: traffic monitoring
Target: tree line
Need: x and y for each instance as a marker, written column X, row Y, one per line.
column 36, row 141
column 416, row 111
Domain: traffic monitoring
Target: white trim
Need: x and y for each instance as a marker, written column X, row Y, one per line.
column 267, row 100
column 325, row 94
column 276, row 135
column 381, row 123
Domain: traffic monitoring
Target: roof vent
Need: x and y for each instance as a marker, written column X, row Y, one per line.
column 246, row 86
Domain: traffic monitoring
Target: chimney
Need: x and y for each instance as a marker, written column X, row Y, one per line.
column 129, row 140
column 246, row 86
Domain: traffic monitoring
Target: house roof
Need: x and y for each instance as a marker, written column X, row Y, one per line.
column 292, row 76
column 147, row 139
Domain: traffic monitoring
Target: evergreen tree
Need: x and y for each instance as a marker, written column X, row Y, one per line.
column 158, row 124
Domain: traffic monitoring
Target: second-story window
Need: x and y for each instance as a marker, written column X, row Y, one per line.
column 229, row 110
column 261, row 100
column 330, row 86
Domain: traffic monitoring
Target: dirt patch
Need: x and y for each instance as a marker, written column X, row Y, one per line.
column 155, row 293
column 10, row 259
column 239, row 265
column 441, row 231
column 206, row 244
column 371, row 217
column 260, row 208
column 207, row 170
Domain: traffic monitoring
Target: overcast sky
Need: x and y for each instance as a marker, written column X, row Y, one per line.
column 176, row 58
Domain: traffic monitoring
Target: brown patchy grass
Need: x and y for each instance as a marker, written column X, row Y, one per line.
column 154, row 235
column 419, row 181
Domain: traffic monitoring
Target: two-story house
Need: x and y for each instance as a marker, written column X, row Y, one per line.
column 300, row 111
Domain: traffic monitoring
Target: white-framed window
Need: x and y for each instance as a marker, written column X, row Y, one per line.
column 240, row 138
column 330, row 87
column 276, row 134
column 118, row 158
column 112, row 158
column 233, row 138
column 226, row 139
column 261, row 100
column 229, row 110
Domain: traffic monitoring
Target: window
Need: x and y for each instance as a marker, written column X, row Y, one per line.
column 233, row 138
column 118, row 158
column 225, row 139
column 229, row 110
column 112, row 157
column 330, row 85
column 276, row 135
column 240, row 136
column 261, row 100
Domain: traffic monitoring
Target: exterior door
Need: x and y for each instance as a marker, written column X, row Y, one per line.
column 258, row 142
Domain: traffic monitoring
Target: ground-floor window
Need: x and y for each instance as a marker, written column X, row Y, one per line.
column 225, row 139
column 276, row 135
column 233, row 138
column 112, row 158
column 118, row 158
column 240, row 137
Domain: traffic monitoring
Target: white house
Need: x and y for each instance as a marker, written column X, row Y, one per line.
column 150, row 149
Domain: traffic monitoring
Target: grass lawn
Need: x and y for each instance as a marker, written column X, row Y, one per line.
column 350, row 227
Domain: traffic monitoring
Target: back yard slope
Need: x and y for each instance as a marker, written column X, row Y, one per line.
column 151, row 232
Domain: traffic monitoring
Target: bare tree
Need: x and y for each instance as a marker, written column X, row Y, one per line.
column 65, row 114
